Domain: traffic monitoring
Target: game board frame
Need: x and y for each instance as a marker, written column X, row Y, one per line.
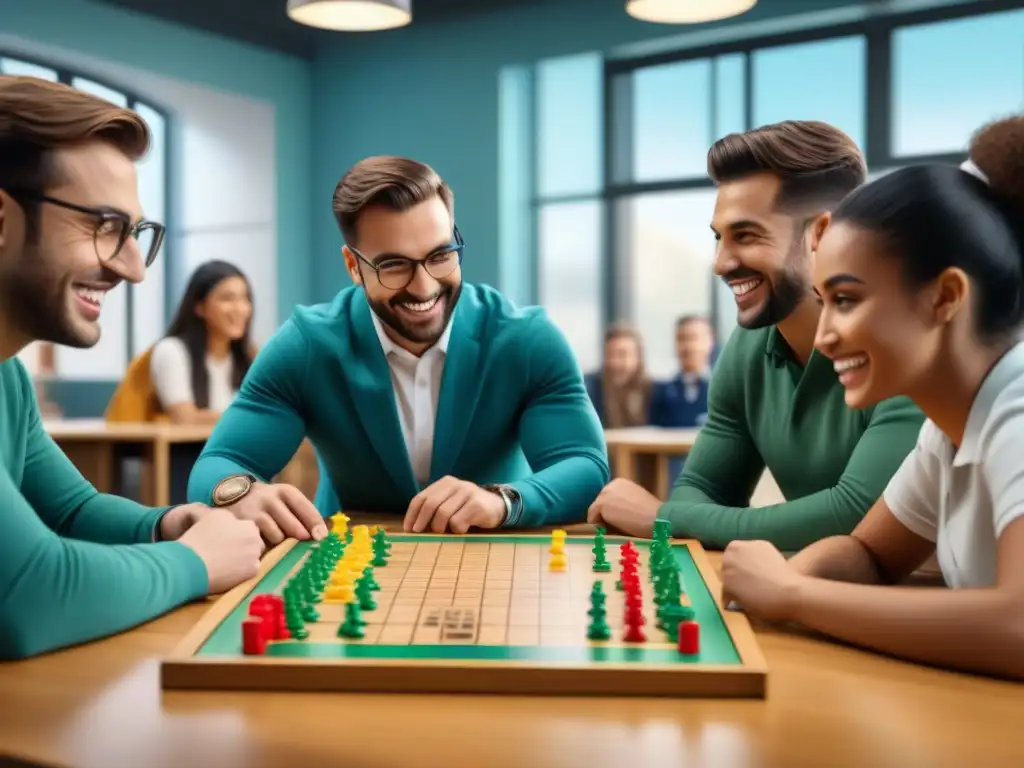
column 184, row 669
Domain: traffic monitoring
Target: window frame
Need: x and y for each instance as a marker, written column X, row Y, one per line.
column 878, row 33
column 66, row 75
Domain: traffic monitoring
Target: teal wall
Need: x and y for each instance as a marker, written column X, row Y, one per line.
column 178, row 52
column 431, row 92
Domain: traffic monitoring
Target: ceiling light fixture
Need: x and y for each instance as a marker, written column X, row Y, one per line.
column 686, row 11
column 351, row 15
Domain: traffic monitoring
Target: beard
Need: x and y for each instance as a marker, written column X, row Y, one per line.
column 35, row 301
column 388, row 314
column 786, row 289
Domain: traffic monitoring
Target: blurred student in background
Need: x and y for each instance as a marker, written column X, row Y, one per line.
column 198, row 367
column 621, row 390
column 682, row 401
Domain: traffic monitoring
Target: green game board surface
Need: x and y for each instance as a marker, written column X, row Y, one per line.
column 716, row 645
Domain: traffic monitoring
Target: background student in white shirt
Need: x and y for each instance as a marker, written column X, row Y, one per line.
column 921, row 275
column 198, row 367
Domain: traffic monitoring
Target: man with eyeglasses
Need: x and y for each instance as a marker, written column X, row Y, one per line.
column 423, row 395
column 75, row 564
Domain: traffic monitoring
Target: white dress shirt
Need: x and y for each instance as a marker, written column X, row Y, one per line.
column 417, row 384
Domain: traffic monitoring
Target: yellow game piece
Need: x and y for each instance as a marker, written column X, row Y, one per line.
column 339, row 594
column 558, row 562
column 339, row 524
column 556, row 548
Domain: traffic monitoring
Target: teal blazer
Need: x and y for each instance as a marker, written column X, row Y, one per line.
column 512, row 409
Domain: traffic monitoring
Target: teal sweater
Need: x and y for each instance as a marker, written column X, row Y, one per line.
column 75, row 564
column 512, row 408
column 764, row 410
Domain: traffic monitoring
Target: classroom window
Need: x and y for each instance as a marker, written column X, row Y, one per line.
column 148, row 304
column 823, row 80
column 27, row 69
column 670, row 251
column 569, row 237
column 671, row 120
column 569, row 108
column 951, row 77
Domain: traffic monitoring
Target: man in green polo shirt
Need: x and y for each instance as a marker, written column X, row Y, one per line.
column 774, row 401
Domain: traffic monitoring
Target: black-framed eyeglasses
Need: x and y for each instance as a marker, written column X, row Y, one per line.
column 113, row 228
column 396, row 272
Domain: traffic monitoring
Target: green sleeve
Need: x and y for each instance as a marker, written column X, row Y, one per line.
column 68, row 503
column 792, row 525
column 724, row 466
column 59, row 590
column 265, row 424
column 560, row 434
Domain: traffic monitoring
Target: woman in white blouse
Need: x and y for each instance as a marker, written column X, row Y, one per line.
column 921, row 279
column 198, row 367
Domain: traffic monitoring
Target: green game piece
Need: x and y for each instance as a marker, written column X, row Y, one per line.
column 364, row 594
column 601, row 564
column 353, row 624
column 368, row 575
column 381, row 545
column 598, row 629
column 294, row 622
column 670, row 617
column 309, row 613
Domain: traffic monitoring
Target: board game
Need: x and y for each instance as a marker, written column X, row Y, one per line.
column 365, row 610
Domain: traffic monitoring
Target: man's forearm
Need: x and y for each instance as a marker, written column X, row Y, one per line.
column 209, row 470
column 790, row 526
column 562, row 493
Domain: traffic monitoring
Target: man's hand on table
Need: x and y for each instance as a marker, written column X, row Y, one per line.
column 453, row 505
column 626, row 507
column 280, row 511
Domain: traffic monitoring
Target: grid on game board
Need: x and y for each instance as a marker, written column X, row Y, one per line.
column 487, row 594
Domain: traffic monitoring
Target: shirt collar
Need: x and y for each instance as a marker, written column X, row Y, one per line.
column 1009, row 368
column 391, row 348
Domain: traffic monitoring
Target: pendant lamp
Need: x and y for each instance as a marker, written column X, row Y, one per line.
column 351, row 15
column 686, row 11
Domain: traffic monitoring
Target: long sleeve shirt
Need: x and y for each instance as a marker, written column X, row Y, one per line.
column 75, row 564
column 831, row 462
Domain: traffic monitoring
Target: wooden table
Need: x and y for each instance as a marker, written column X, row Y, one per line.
column 643, row 454
column 828, row 707
column 91, row 445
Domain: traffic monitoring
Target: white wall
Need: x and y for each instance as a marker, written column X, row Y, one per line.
column 224, row 205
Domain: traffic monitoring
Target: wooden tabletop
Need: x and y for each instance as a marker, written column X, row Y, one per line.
column 654, row 439
column 101, row 705
column 91, row 430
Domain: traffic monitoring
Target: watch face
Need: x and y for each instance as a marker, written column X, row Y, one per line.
column 231, row 489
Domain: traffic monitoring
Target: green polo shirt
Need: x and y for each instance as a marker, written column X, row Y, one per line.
column 766, row 410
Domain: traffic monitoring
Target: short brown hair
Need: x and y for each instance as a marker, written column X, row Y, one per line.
column 397, row 183
column 38, row 118
column 817, row 163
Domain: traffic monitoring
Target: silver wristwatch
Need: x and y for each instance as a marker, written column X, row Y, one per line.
column 513, row 501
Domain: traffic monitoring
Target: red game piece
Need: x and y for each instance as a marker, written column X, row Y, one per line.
column 254, row 641
column 689, row 638
column 265, row 613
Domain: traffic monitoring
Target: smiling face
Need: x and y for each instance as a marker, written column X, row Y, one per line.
column 882, row 336
column 415, row 316
column 227, row 309
column 52, row 279
column 761, row 251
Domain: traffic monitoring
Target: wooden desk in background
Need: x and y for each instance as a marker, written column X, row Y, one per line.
column 643, row 454
column 101, row 705
column 92, row 445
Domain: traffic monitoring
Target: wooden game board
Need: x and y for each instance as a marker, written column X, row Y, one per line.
column 481, row 614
